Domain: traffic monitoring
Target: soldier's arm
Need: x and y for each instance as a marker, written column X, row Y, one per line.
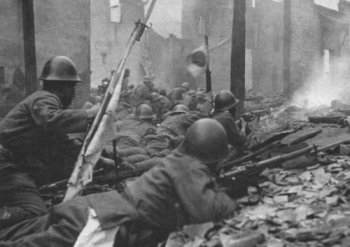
column 48, row 114
column 201, row 197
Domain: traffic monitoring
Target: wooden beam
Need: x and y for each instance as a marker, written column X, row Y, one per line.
column 29, row 46
column 287, row 48
column 238, row 55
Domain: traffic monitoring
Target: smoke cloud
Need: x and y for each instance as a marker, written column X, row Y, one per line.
column 332, row 82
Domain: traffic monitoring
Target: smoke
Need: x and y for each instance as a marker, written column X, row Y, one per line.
column 332, row 82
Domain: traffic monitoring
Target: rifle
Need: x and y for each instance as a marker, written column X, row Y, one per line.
column 100, row 176
column 275, row 137
column 240, row 178
column 227, row 164
column 257, row 168
column 328, row 120
column 207, row 72
column 256, row 149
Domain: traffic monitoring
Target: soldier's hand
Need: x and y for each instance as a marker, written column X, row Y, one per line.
column 243, row 125
column 92, row 112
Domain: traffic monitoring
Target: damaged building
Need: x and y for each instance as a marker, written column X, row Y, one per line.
column 281, row 48
column 112, row 23
column 19, row 47
column 182, row 161
column 294, row 35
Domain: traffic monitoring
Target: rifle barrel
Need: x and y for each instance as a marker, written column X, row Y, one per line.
column 280, row 158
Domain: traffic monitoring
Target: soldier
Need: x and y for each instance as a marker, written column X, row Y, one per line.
column 143, row 91
column 162, row 92
column 160, row 105
column 178, row 121
column 176, row 95
column 181, row 190
column 204, row 104
column 132, row 131
column 185, row 86
column 34, row 146
column 224, row 101
column 171, row 131
column 189, row 99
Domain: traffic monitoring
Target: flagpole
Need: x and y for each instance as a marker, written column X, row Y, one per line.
column 207, row 72
column 94, row 141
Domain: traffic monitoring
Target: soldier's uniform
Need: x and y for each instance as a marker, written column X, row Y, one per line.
column 176, row 96
column 33, row 139
column 233, row 134
column 143, row 91
column 224, row 101
column 177, row 124
column 35, row 149
column 131, row 131
column 179, row 191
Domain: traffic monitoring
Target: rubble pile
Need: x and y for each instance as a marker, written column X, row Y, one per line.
column 307, row 207
column 303, row 202
column 289, row 116
column 299, row 202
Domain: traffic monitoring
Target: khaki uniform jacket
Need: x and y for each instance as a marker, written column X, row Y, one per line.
column 229, row 124
column 151, row 201
column 178, row 124
column 179, row 191
column 33, row 127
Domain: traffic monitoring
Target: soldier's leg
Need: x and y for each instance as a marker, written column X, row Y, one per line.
column 19, row 198
column 60, row 228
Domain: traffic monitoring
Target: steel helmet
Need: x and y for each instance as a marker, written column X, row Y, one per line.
column 60, row 68
column 206, row 140
column 200, row 96
column 147, row 79
column 179, row 109
column 144, row 111
column 186, row 85
column 154, row 97
column 191, row 93
column 162, row 91
column 225, row 100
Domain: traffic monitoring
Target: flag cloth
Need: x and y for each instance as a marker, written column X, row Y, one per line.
column 88, row 157
column 103, row 127
column 197, row 61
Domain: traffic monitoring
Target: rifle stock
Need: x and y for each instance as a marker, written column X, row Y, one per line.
column 256, row 168
column 257, row 149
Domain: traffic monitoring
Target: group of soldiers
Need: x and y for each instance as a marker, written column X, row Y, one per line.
column 180, row 137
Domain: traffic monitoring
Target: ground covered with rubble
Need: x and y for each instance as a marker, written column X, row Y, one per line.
column 305, row 207
column 301, row 201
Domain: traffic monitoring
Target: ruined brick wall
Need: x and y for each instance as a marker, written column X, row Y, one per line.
column 64, row 29
column 165, row 59
column 160, row 57
column 214, row 18
column 306, row 41
column 109, row 39
column 265, row 38
column 60, row 29
column 11, row 55
column 265, row 61
column 220, row 29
